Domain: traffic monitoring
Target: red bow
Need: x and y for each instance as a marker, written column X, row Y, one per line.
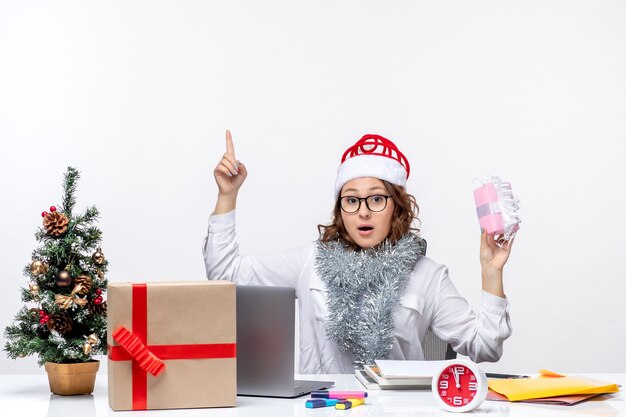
column 140, row 353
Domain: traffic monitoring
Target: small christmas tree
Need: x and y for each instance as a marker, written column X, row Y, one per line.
column 64, row 319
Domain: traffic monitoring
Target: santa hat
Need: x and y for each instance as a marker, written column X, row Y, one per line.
column 373, row 156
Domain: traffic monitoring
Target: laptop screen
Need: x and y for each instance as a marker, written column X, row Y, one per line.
column 265, row 339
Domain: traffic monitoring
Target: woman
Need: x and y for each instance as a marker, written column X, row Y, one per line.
column 365, row 289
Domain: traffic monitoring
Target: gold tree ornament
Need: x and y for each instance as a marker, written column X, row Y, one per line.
column 55, row 223
column 64, row 279
column 34, row 289
column 98, row 257
column 38, row 267
column 92, row 340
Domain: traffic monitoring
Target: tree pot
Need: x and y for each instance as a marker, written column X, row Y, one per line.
column 72, row 378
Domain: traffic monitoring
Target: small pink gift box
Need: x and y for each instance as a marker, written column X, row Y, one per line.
column 496, row 207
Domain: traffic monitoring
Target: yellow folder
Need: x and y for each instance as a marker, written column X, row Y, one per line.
column 549, row 384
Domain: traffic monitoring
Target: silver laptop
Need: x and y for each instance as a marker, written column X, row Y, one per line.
column 265, row 343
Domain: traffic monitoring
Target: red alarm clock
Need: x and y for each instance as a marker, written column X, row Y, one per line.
column 459, row 386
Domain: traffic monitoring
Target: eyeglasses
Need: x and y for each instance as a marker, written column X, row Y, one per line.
column 375, row 203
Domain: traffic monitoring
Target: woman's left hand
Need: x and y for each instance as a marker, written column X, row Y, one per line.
column 494, row 252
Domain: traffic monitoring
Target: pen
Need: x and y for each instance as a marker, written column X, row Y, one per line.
column 350, row 403
column 320, row 402
column 506, row 376
column 340, row 395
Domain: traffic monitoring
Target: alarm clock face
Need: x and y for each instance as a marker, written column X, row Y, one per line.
column 460, row 386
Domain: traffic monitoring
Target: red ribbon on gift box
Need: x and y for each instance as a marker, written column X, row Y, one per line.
column 149, row 358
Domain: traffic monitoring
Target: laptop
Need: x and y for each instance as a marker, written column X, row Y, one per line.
column 265, row 344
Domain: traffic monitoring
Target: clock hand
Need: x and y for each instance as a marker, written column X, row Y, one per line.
column 456, row 378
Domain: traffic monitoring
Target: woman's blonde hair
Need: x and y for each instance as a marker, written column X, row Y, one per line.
column 405, row 211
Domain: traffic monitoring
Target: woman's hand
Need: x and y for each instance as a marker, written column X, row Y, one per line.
column 494, row 252
column 229, row 175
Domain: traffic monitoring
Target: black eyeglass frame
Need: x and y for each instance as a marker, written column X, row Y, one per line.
column 361, row 199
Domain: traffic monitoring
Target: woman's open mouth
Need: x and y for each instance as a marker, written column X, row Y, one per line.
column 365, row 230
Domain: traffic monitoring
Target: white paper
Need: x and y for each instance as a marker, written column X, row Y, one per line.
column 408, row 369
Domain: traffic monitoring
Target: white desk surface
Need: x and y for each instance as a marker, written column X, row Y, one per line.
column 29, row 395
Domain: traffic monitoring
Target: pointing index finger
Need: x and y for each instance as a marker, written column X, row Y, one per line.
column 230, row 148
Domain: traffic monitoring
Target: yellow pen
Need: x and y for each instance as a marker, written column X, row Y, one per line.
column 349, row 403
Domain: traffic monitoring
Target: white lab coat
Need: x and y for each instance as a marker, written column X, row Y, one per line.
column 430, row 300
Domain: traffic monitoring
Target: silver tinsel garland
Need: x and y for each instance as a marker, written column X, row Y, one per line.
column 364, row 287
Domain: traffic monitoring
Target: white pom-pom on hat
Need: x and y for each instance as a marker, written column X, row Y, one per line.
column 373, row 156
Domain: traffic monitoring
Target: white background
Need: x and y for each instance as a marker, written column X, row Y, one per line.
column 137, row 95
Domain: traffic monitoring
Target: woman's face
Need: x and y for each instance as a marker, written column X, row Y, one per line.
column 367, row 228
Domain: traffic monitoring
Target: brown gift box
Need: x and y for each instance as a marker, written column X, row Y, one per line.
column 173, row 317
